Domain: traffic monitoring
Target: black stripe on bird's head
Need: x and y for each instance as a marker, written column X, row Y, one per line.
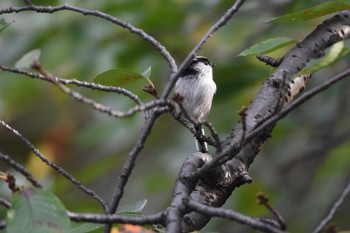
column 193, row 67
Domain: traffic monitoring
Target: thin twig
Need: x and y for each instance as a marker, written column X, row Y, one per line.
column 156, row 218
column 215, row 135
column 221, row 22
column 49, row 9
column 190, row 124
column 178, row 117
column 94, row 104
column 18, row 167
column 130, row 162
column 264, row 200
column 235, row 216
column 332, row 211
column 274, row 62
column 10, row 180
column 178, row 100
column 93, row 86
column 59, row 169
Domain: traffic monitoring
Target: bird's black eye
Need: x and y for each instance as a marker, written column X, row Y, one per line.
column 206, row 63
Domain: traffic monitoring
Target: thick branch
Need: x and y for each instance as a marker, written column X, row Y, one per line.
column 182, row 190
column 329, row 32
column 267, row 102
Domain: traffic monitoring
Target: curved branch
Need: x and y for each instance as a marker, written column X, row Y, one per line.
column 235, row 216
column 100, row 107
column 53, row 165
column 110, row 111
column 49, row 9
column 90, row 85
column 18, row 167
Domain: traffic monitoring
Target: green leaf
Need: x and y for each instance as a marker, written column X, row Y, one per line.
column 335, row 52
column 268, row 46
column 119, row 77
column 311, row 13
column 134, row 208
column 34, row 210
column 85, row 227
column 27, row 60
column 4, row 25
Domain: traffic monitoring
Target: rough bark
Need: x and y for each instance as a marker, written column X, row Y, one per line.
column 218, row 184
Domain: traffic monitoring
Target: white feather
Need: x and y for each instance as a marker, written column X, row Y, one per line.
column 197, row 89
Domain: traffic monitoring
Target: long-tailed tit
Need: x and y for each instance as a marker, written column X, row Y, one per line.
column 196, row 88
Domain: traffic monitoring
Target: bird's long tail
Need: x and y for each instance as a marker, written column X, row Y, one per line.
column 201, row 146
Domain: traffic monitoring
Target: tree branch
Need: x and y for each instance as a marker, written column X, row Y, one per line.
column 306, row 96
column 18, row 167
column 258, row 224
column 215, row 141
column 334, row 208
column 130, row 163
column 156, row 218
column 100, row 107
column 204, row 182
column 76, row 82
column 221, row 22
column 182, row 191
column 49, row 9
column 60, row 170
column 236, row 158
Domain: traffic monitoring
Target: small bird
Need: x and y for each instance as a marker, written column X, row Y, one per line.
column 196, row 88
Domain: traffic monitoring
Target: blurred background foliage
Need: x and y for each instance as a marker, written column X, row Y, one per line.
column 303, row 167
